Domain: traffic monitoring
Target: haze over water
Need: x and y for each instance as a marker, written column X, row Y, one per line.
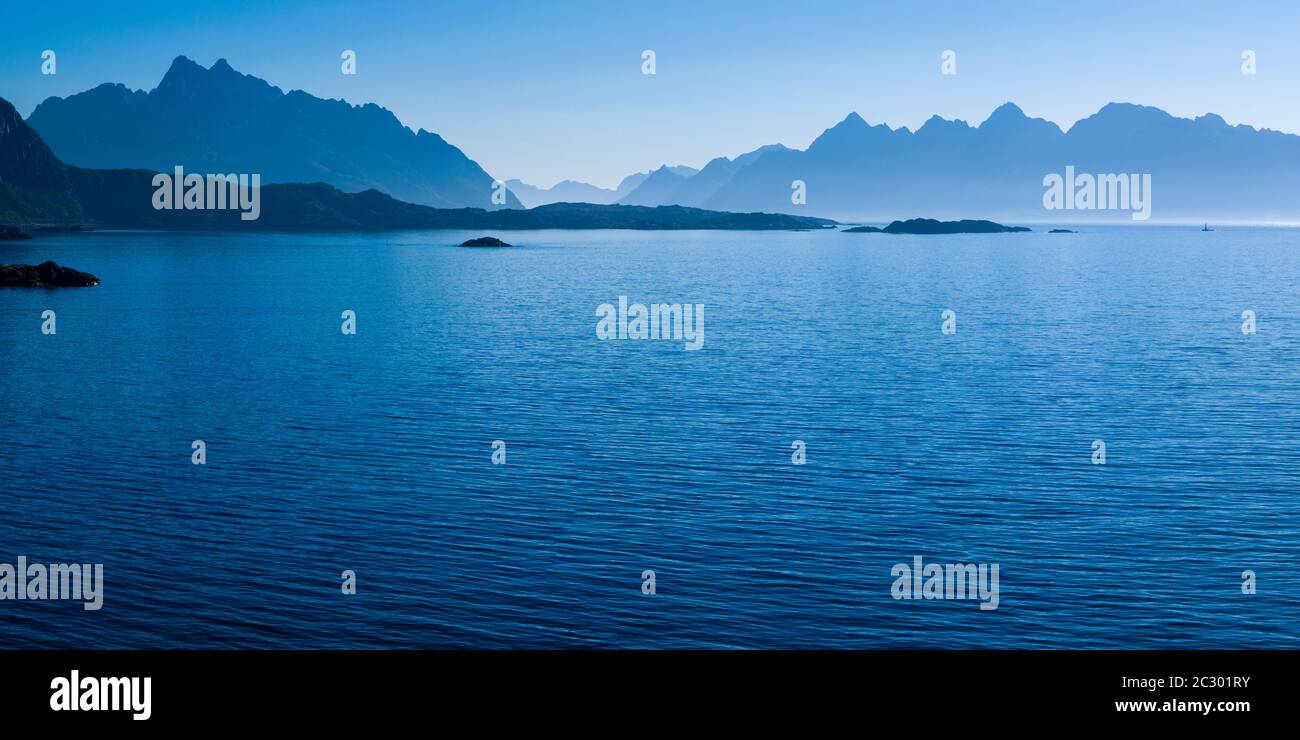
column 328, row 452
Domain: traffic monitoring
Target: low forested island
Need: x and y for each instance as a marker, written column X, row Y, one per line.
column 931, row 226
column 485, row 241
column 12, row 233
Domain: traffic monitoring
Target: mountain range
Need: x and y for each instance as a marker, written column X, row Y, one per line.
column 1201, row 169
column 698, row 188
column 217, row 120
column 573, row 191
column 36, row 188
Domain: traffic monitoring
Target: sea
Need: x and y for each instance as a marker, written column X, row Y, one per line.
column 1109, row 417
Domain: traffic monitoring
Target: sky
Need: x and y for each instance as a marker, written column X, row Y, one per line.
column 553, row 89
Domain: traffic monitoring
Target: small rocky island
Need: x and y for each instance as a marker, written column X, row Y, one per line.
column 485, row 241
column 44, row 275
column 931, row 226
column 1060, row 231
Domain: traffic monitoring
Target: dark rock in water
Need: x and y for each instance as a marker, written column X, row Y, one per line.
column 12, row 233
column 1060, row 231
column 44, row 275
column 965, row 226
column 863, row 230
column 485, row 241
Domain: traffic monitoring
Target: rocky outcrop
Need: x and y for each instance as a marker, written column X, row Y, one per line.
column 44, row 275
column 485, row 241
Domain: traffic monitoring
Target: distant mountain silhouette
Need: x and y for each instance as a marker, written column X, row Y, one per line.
column 630, row 183
column 854, row 170
column 700, row 187
column 656, row 186
column 217, row 120
column 687, row 187
column 565, row 191
column 38, row 189
column 574, row 191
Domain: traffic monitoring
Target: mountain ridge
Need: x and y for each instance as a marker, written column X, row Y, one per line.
column 576, row 191
column 855, row 170
column 218, row 120
column 37, row 188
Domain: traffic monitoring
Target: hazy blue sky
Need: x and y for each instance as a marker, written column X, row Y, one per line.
column 552, row 89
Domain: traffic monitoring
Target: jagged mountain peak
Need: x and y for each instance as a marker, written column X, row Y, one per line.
column 9, row 118
column 849, row 133
column 1006, row 110
column 852, row 119
column 1007, row 115
column 1009, row 118
column 1123, row 115
column 186, row 77
column 936, row 124
column 183, row 73
column 1212, row 119
column 24, row 158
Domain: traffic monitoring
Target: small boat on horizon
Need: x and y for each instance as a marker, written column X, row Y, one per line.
column 1206, row 227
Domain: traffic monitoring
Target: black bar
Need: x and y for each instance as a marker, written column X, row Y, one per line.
column 975, row 689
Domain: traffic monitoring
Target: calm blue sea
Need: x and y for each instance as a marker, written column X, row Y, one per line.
column 373, row 452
